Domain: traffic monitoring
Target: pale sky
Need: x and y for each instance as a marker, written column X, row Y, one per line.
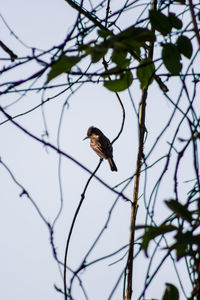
column 28, row 269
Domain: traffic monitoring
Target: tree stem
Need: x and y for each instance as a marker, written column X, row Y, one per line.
column 129, row 268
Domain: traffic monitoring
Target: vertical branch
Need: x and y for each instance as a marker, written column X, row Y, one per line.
column 134, row 207
column 196, row 30
column 129, row 268
column 198, row 273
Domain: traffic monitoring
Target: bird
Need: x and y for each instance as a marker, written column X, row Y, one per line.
column 101, row 145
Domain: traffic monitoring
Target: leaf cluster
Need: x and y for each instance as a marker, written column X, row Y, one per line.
column 185, row 239
column 131, row 40
column 128, row 45
column 171, row 52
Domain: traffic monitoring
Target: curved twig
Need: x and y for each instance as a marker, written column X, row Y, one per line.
column 63, row 153
column 72, row 226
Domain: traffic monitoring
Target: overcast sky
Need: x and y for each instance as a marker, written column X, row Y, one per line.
column 28, row 269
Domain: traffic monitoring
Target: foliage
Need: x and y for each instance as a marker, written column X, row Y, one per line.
column 158, row 48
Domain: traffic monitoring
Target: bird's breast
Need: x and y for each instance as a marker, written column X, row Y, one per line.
column 96, row 146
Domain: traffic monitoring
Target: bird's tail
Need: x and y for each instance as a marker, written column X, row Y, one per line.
column 112, row 164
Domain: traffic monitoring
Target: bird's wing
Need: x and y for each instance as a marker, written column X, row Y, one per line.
column 106, row 146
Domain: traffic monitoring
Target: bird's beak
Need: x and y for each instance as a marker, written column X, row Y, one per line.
column 87, row 137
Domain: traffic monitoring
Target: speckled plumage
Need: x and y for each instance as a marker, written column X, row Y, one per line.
column 101, row 145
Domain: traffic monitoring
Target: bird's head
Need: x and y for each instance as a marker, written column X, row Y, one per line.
column 92, row 130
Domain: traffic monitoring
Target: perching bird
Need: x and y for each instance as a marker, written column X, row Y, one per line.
column 101, row 145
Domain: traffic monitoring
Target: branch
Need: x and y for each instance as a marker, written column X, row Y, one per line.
column 194, row 22
column 134, row 207
column 12, row 55
column 93, row 19
column 87, row 14
column 72, row 226
column 140, row 155
column 62, row 153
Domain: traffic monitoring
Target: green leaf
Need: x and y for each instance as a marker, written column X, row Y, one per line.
column 180, row 210
column 138, row 34
column 160, row 22
column 62, row 65
column 171, row 292
column 185, row 46
column 181, row 250
column 184, row 242
column 132, row 45
column 120, row 84
column 119, row 57
column 171, row 58
column 175, row 22
column 118, row 70
column 145, row 72
column 180, row 1
column 103, row 33
column 127, row 45
column 98, row 52
column 152, row 232
column 187, row 238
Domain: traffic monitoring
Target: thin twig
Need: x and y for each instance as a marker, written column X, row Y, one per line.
column 93, row 18
column 72, row 226
column 62, row 153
